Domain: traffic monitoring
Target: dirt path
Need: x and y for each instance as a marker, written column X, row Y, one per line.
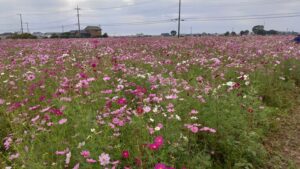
column 284, row 144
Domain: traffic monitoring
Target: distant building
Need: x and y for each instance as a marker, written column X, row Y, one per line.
column 38, row 34
column 94, row 31
column 165, row 34
column 49, row 34
column 88, row 32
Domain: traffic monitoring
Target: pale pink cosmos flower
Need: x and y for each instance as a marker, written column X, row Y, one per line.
column 194, row 112
column 2, row 101
column 172, row 96
column 147, row 109
column 68, row 157
column 76, row 166
column 106, row 91
column 106, row 78
column 35, row 119
column 8, row 141
column 14, row 156
column 160, row 125
column 104, row 159
column 62, row 121
column 207, row 129
column 62, row 152
column 151, row 130
column 90, row 160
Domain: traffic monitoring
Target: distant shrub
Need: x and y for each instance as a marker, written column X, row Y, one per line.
column 23, row 36
column 105, row 35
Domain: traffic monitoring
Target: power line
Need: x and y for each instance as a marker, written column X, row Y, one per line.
column 53, row 27
column 136, row 23
column 242, row 18
column 254, row 15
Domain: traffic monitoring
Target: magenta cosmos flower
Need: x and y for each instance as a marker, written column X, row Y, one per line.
column 125, row 154
column 121, row 101
column 159, row 140
column 160, row 166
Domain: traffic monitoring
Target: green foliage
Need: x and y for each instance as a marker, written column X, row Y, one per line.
column 23, row 36
column 173, row 33
column 259, row 30
column 105, row 35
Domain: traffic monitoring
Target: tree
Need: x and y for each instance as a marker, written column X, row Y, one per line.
column 233, row 34
column 65, row 35
column 259, row 30
column 242, row 33
column 105, row 35
column 173, row 33
column 227, row 33
column 246, row 32
column 23, row 36
column 272, row 32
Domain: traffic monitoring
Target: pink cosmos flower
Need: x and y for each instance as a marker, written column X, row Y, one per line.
column 62, row 121
column 104, row 159
column 14, row 156
column 62, row 152
column 85, row 153
column 159, row 140
column 151, row 130
column 106, row 91
column 207, row 129
column 90, row 160
column 2, row 101
column 34, row 107
column 106, row 78
column 30, row 76
column 8, row 141
column 194, row 129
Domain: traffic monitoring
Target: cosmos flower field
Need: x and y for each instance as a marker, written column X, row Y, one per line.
column 127, row 103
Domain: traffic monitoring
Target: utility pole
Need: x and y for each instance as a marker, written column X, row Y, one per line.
column 27, row 27
column 179, row 18
column 78, row 19
column 21, row 22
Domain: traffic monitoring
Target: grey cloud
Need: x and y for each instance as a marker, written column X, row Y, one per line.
column 50, row 15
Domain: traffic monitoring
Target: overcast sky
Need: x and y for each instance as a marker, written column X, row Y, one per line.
column 123, row 17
